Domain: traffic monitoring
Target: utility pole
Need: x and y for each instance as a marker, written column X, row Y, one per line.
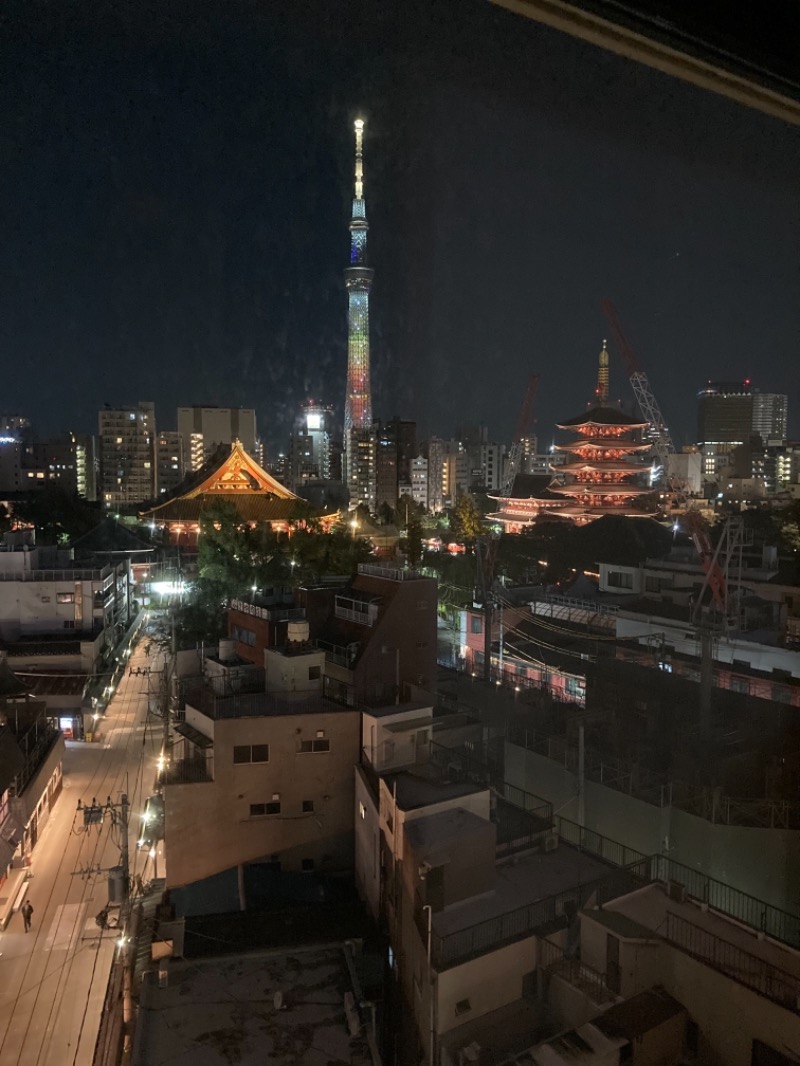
column 166, row 703
column 126, row 872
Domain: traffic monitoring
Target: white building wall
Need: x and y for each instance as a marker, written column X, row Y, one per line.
column 367, row 847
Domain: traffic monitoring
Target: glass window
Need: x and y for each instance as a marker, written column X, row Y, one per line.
column 246, row 753
column 65, row 597
column 306, row 746
column 476, row 624
column 308, row 806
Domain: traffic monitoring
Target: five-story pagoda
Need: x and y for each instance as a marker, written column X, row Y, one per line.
column 604, row 472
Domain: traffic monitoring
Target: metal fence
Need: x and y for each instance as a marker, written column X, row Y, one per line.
column 550, row 959
column 493, row 933
column 719, row 896
column 635, row 780
column 748, row 969
column 602, row 847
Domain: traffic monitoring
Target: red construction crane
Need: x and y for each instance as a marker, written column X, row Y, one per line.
column 526, row 417
column 715, row 579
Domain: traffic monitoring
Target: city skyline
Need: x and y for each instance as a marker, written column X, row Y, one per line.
column 165, row 250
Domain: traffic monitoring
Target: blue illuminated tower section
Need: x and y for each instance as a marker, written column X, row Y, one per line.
column 357, row 279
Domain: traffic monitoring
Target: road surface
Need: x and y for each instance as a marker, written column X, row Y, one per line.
column 53, row 979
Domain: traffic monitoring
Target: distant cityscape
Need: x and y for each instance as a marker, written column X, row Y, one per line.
column 388, row 749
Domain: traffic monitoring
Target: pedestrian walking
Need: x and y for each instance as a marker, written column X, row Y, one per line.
column 27, row 912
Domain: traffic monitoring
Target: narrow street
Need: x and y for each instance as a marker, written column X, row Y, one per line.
column 53, row 979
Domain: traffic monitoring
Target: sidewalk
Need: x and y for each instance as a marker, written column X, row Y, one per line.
column 53, row 979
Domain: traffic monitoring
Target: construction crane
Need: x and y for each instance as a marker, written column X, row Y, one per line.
column 648, row 405
column 523, row 422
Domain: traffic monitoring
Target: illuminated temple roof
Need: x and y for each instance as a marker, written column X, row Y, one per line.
column 237, row 478
column 605, row 416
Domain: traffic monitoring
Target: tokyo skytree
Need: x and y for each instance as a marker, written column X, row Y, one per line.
column 358, row 280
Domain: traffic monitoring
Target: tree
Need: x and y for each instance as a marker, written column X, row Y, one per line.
column 57, row 515
column 466, row 519
column 414, row 540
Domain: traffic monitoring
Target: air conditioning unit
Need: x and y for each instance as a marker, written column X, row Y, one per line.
column 551, row 842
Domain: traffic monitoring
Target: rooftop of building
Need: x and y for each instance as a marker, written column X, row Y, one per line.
column 225, row 1010
column 406, row 709
column 585, row 1044
column 51, row 683
column 260, row 704
column 523, row 880
column 41, row 645
column 436, row 837
column 639, row 1014
column 413, row 790
column 602, row 415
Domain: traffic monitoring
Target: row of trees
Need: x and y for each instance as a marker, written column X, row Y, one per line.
column 234, row 559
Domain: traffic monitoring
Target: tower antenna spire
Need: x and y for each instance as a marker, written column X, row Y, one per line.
column 359, row 128
column 602, row 375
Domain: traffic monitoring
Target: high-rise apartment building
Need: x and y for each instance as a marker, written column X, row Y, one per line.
column 419, row 480
column 127, row 454
column 435, row 453
column 362, row 464
column 203, row 428
column 169, row 461
column 396, row 446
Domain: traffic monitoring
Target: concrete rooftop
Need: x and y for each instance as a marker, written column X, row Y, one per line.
column 518, row 883
column 221, row 1011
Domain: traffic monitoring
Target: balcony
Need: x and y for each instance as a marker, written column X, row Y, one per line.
column 353, row 608
column 192, row 771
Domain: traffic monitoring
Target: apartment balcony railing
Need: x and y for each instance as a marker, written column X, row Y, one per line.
column 750, row 970
column 340, row 654
column 191, row 771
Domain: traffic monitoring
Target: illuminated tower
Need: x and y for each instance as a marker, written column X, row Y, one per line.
column 358, row 279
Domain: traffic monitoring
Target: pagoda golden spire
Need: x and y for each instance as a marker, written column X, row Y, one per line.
column 602, row 376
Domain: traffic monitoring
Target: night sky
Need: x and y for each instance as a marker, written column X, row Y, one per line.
column 176, row 183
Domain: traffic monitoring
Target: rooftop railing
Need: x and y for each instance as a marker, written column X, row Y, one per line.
column 747, row 969
column 781, row 925
column 388, row 572
column 56, row 574
column 503, row 929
